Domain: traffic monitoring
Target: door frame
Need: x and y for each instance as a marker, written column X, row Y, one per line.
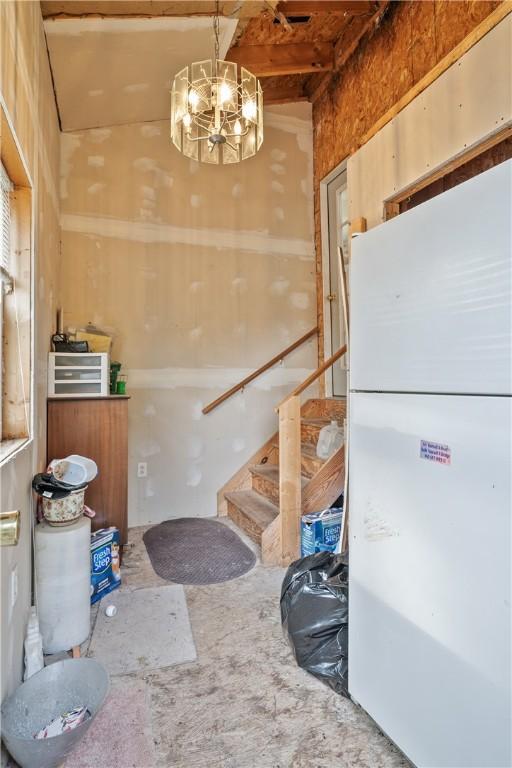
column 324, row 237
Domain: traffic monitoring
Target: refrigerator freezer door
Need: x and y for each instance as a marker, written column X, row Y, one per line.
column 430, row 574
column 431, row 294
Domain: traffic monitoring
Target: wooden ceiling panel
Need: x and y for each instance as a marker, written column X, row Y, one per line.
column 342, row 7
column 266, row 30
column 285, row 89
column 266, row 60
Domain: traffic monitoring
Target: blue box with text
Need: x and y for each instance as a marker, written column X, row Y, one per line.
column 105, row 562
column 320, row 531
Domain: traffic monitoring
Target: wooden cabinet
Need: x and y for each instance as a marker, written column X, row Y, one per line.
column 97, row 428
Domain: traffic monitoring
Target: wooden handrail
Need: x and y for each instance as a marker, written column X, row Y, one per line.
column 260, row 370
column 310, row 379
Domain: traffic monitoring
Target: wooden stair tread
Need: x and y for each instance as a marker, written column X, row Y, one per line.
column 306, row 448
column 257, row 508
column 271, row 472
column 310, row 450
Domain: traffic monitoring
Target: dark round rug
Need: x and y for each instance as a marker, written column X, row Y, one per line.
column 197, row 551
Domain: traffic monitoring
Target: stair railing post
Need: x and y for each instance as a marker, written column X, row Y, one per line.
column 290, row 502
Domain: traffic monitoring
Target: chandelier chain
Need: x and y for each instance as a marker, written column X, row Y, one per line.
column 216, row 29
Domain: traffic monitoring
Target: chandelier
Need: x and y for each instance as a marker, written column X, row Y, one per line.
column 216, row 114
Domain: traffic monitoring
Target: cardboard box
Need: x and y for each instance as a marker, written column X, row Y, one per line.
column 320, row 531
column 105, row 562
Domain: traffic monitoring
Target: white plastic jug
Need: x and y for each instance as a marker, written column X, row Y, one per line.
column 331, row 438
column 33, row 646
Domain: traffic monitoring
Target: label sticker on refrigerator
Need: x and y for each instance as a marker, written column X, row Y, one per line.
column 442, row 454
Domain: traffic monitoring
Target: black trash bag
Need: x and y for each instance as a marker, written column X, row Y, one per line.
column 314, row 614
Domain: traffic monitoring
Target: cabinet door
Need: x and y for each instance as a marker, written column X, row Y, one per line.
column 97, row 429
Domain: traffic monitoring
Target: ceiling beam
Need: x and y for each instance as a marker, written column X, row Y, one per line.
column 294, row 59
column 346, row 45
column 341, row 7
column 65, row 9
column 287, row 94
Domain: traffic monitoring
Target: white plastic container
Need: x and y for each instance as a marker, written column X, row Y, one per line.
column 330, row 439
column 33, row 646
column 74, row 469
column 63, row 578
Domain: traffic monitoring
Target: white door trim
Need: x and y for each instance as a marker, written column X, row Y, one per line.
column 324, row 235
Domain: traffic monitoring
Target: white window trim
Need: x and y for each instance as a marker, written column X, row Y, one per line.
column 22, row 179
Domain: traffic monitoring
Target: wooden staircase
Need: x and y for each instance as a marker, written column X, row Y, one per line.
column 285, row 479
column 254, row 496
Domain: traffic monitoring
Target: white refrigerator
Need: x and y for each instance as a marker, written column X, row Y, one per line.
column 430, row 476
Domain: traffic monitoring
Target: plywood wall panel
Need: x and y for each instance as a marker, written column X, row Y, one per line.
column 423, row 39
column 454, row 20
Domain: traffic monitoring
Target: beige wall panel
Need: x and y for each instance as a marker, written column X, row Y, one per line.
column 469, row 102
column 202, row 274
column 27, row 93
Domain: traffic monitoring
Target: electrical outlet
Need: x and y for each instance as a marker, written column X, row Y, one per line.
column 14, row 586
column 142, row 469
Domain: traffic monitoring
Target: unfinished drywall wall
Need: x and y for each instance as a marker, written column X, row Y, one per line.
column 412, row 38
column 202, row 274
column 27, row 96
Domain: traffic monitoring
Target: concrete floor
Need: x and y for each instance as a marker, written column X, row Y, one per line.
column 244, row 703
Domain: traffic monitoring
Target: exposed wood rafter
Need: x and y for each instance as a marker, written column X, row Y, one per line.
column 342, row 7
column 271, row 60
column 283, row 95
column 346, row 45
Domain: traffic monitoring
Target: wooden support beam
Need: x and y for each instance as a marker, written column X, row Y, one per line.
column 341, row 7
column 283, row 95
column 347, row 44
column 392, row 206
column 271, row 543
column 290, row 503
column 294, row 59
column 326, row 484
column 357, row 226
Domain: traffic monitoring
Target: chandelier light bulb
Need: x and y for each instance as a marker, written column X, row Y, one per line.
column 225, row 93
column 187, row 122
column 193, row 98
column 249, row 110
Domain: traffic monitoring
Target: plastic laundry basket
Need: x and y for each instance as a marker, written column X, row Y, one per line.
column 58, row 688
